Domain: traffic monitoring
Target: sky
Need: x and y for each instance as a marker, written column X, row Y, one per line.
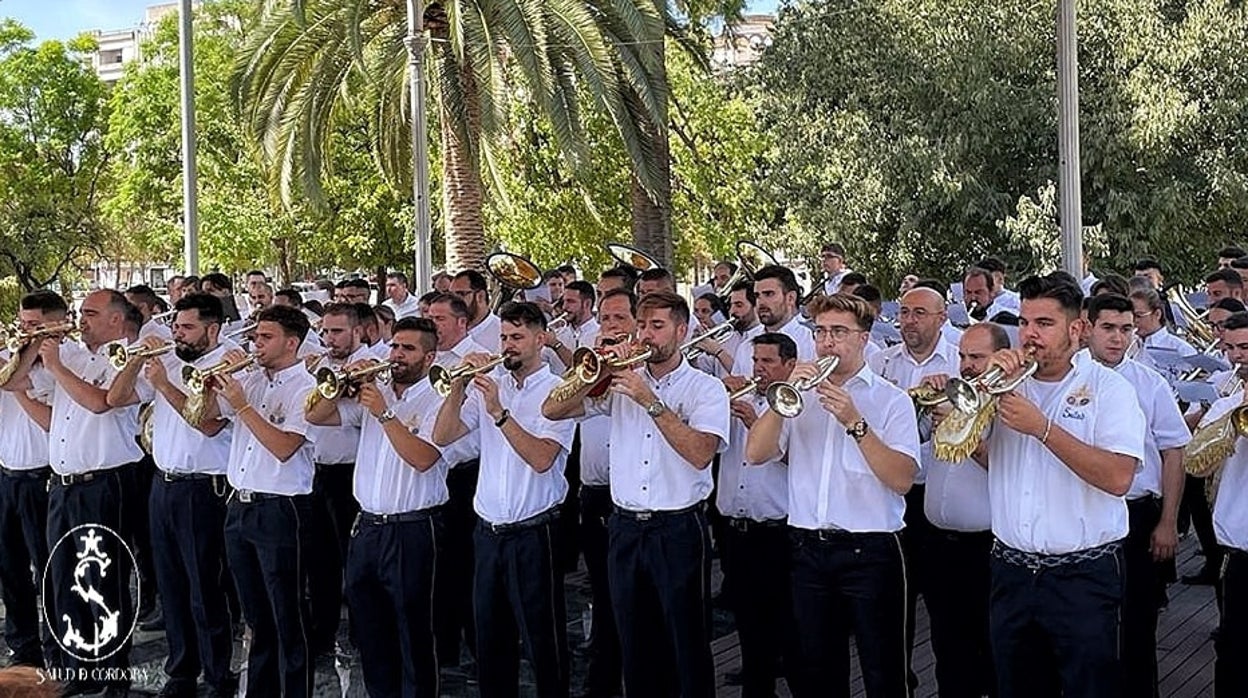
column 64, row 19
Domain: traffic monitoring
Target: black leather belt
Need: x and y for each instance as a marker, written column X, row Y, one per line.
column 658, row 513
column 32, row 474
column 80, row 478
column 830, row 535
column 186, row 477
column 742, row 525
column 545, row 517
column 250, row 497
column 368, row 518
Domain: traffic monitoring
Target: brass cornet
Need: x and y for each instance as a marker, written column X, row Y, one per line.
column 119, row 354
column 593, row 367
column 332, row 382
column 246, row 329
column 975, row 405
column 718, row 334
column 441, row 377
column 559, row 322
column 18, row 341
column 744, row 390
column 785, row 398
column 197, row 380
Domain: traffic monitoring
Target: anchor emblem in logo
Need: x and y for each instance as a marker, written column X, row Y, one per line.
column 92, row 632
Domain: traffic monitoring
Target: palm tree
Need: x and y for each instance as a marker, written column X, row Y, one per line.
column 309, row 63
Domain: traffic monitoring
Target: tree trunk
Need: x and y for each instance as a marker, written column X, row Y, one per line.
column 652, row 211
column 462, row 193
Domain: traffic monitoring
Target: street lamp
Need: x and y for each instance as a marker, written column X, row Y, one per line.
column 190, row 202
column 416, row 43
column 1068, row 178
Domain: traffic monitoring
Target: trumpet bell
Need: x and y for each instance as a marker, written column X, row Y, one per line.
column 752, row 257
column 440, row 378
column 632, row 257
column 963, row 395
column 785, row 400
column 513, row 271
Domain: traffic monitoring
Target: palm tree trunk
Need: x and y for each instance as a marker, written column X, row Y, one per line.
column 652, row 211
column 462, row 192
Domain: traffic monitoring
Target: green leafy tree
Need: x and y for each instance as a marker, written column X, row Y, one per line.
column 52, row 156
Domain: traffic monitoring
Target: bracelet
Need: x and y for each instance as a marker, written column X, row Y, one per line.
column 239, row 412
column 502, row 419
column 1048, row 426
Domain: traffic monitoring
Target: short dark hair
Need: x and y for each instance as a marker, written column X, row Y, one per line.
column 552, row 274
column 981, row 272
column 869, row 293
column 1231, row 252
column 660, row 300
column 854, row 278
column 357, row 283
column 993, row 264
column 133, row 317
column 428, row 331
column 622, row 273
column 1150, row 296
column 294, row 323
column 45, row 301
column 190, row 282
column 658, row 274
column 1145, row 264
column 1111, row 283
column 1239, row 263
column 783, row 343
column 347, row 310
column 566, row 269
column 717, row 304
column 586, row 289
column 219, row 280
column 313, row 305
column 256, row 272
column 456, row 304
column 397, row 276
column 384, row 313
column 1058, row 286
column 935, row 284
column 732, row 266
column 784, row 275
column 1000, row 338
column 1108, row 302
column 207, row 307
column 365, row 313
column 835, row 248
column 291, row 295
column 523, row 314
column 476, row 280
column 1237, row 321
column 144, row 295
column 617, row 292
column 744, row 286
column 429, row 297
column 1232, row 305
column 1230, row 277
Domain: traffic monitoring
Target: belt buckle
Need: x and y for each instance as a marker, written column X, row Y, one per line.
column 739, row 525
column 384, row 518
column 826, row 535
column 244, row 496
column 167, row 476
column 643, row 515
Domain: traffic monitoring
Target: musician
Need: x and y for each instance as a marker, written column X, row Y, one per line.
column 1150, row 269
column 1226, row 255
column 271, row 469
column 219, row 285
column 721, row 275
column 396, row 541
column 652, row 280
column 187, row 501
column 1060, row 458
column 146, row 300
column 1151, row 329
column 260, row 296
column 24, row 476
column 398, row 297
column 667, row 423
column 517, row 592
column 442, row 282
column 851, row 282
column 852, row 456
column 483, row 325
column 1224, row 283
column 776, row 293
column 951, row 334
column 617, row 319
column 1241, row 267
column 745, row 326
column 175, row 288
column 1155, row 494
column 553, row 280
column 613, row 278
column 983, row 297
column 1230, row 521
column 352, row 291
column 90, row 446
column 569, row 273
column 705, row 307
column 832, row 260
column 956, row 553
column 581, row 328
column 453, row 605
column 333, row 505
column 924, row 351
column 754, row 551
column 385, row 329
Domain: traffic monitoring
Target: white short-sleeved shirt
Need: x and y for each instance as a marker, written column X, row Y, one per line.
column 758, row 492
column 897, row 366
column 336, row 445
column 385, row 483
column 1230, row 509
column 509, row 489
column 647, row 474
column 278, row 398
column 743, row 361
column 1038, row 503
column 488, row 333
column 1166, row 428
column 831, row 485
column 454, row 356
column 81, row 441
column 177, row 447
column 23, row 443
column 410, row 307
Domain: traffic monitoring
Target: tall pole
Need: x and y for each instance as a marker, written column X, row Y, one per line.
column 416, row 44
column 190, row 201
column 1069, row 197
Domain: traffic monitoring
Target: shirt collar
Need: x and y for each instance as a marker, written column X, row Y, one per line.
column 675, row 374
column 944, row 348
column 865, row 375
column 289, row 372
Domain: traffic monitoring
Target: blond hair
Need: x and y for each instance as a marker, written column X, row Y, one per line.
column 844, row 303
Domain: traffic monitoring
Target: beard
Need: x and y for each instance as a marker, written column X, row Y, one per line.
column 659, row 354
column 512, row 363
column 406, row 374
column 190, row 352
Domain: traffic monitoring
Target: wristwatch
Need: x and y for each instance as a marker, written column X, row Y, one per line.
column 385, row 416
column 858, row 429
column 502, row 419
column 656, row 408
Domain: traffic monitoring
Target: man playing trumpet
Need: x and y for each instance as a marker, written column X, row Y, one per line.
column 852, row 457
column 270, row 467
column 186, row 513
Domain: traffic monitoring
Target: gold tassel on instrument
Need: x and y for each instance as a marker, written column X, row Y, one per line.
column 1211, row 445
column 975, row 406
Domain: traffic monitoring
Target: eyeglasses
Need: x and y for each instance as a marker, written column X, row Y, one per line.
column 1144, row 314
column 836, row 332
